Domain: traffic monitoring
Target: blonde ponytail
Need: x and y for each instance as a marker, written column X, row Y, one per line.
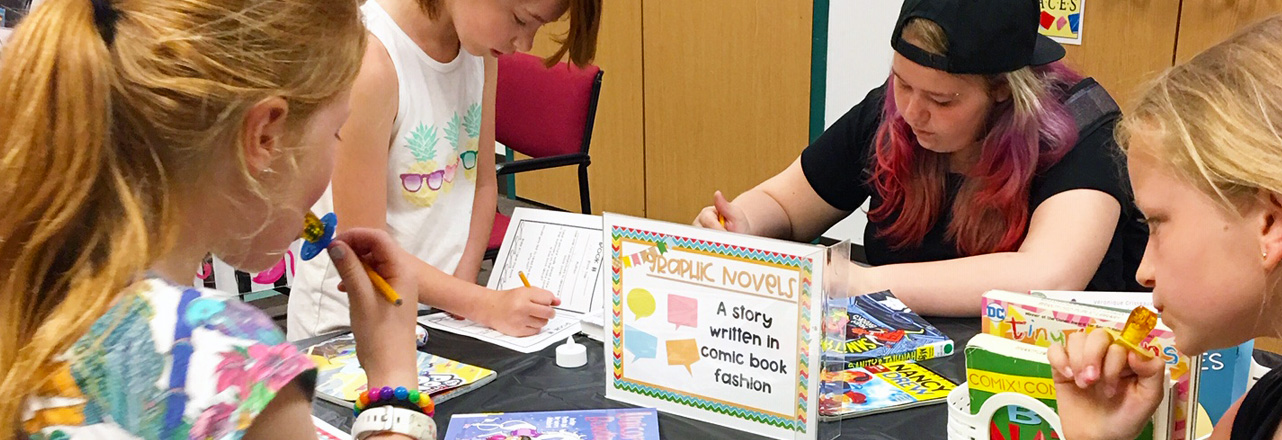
column 96, row 141
column 74, row 231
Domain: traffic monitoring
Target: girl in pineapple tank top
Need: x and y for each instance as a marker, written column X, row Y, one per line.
column 417, row 156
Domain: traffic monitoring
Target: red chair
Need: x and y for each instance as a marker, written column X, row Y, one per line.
column 547, row 114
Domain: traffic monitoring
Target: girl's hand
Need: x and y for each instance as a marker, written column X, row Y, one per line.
column 710, row 217
column 1104, row 390
column 522, row 311
column 384, row 332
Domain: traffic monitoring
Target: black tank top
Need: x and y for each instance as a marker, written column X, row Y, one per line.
column 1257, row 418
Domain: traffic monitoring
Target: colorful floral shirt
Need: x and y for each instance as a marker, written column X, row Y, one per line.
column 166, row 362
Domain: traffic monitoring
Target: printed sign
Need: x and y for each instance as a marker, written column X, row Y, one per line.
column 1062, row 20
column 714, row 326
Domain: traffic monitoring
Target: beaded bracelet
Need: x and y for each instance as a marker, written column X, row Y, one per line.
column 400, row 397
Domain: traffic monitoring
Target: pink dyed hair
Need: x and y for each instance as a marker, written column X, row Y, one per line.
column 990, row 213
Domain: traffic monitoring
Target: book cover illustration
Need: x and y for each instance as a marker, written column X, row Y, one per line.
column 880, row 388
column 1225, row 372
column 1043, row 321
column 341, row 380
column 881, row 329
column 997, row 365
column 602, row 424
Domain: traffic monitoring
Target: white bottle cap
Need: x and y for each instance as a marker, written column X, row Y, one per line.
column 571, row 354
column 420, row 336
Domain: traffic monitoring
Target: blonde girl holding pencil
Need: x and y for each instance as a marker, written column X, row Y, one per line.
column 135, row 138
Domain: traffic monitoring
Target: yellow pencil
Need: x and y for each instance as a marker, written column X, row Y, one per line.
column 722, row 220
column 523, row 278
column 381, row 285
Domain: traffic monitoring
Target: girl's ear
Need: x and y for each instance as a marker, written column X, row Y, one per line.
column 1270, row 229
column 1001, row 92
column 263, row 129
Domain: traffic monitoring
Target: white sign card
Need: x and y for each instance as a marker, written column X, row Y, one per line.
column 714, row 326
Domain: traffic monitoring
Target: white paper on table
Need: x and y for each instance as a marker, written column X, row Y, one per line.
column 558, row 251
column 326, row 431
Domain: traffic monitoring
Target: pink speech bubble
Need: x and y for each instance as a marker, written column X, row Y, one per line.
column 683, row 311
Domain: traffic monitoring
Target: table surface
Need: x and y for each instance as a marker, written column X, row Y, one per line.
column 533, row 382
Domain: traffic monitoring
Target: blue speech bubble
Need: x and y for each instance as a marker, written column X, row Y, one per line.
column 641, row 344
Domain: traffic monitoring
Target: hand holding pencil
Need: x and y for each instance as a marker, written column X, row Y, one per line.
column 381, row 285
column 386, row 343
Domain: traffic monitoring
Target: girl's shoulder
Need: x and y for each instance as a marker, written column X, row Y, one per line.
column 167, row 360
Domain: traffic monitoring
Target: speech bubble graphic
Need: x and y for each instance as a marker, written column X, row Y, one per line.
column 641, row 302
column 683, row 311
column 641, row 344
column 683, row 352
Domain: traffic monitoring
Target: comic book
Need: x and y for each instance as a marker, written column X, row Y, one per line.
column 341, row 380
column 1225, row 373
column 880, row 388
column 881, row 329
column 996, row 365
column 1042, row 321
column 596, row 424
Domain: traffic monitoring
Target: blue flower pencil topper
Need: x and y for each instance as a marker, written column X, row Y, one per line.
column 317, row 234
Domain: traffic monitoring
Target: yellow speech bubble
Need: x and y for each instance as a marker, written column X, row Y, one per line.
column 641, row 302
column 683, row 352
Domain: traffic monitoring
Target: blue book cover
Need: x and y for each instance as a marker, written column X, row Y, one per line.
column 596, row 424
column 1224, row 377
column 881, row 329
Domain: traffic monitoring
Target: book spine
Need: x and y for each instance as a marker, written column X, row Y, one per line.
column 925, row 352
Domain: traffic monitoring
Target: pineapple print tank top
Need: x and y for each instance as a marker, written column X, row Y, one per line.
column 431, row 171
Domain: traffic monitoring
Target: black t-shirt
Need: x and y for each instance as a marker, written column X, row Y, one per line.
column 1261, row 410
column 837, row 166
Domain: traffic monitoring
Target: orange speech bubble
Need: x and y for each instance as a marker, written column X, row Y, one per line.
column 683, row 352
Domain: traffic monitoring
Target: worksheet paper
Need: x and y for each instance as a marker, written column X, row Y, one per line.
column 326, row 431
column 558, row 251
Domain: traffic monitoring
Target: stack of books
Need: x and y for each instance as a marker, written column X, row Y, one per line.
column 872, row 347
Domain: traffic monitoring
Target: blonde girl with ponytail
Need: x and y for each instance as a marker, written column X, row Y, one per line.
column 136, row 136
column 1204, row 147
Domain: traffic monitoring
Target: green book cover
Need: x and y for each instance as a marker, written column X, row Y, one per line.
column 998, row 365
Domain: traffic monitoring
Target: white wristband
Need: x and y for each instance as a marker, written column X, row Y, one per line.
column 396, row 420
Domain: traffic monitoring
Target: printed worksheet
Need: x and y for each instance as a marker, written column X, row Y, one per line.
column 557, row 251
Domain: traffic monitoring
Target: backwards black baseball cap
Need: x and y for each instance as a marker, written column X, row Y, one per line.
column 984, row 36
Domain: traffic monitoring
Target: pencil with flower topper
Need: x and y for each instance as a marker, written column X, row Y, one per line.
column 319, row 232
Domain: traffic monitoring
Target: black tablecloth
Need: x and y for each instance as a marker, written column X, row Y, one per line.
column 533, row 382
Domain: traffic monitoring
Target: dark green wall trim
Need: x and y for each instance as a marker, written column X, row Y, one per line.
column 818, row 68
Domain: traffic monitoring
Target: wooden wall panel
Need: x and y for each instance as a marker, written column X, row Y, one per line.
column 1269, row 344
column 1126, row 42
column 727, row 94
column 618, row 148
column 1206, row 22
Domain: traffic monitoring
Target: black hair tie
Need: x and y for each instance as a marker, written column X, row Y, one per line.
column 104, row 17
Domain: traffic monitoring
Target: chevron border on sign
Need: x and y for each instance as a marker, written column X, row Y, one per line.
column 805, row 266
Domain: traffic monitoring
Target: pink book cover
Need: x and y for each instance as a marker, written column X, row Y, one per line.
column 1041, row 321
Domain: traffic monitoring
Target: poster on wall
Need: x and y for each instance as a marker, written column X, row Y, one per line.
column 714, row 326
column 1062, row 20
